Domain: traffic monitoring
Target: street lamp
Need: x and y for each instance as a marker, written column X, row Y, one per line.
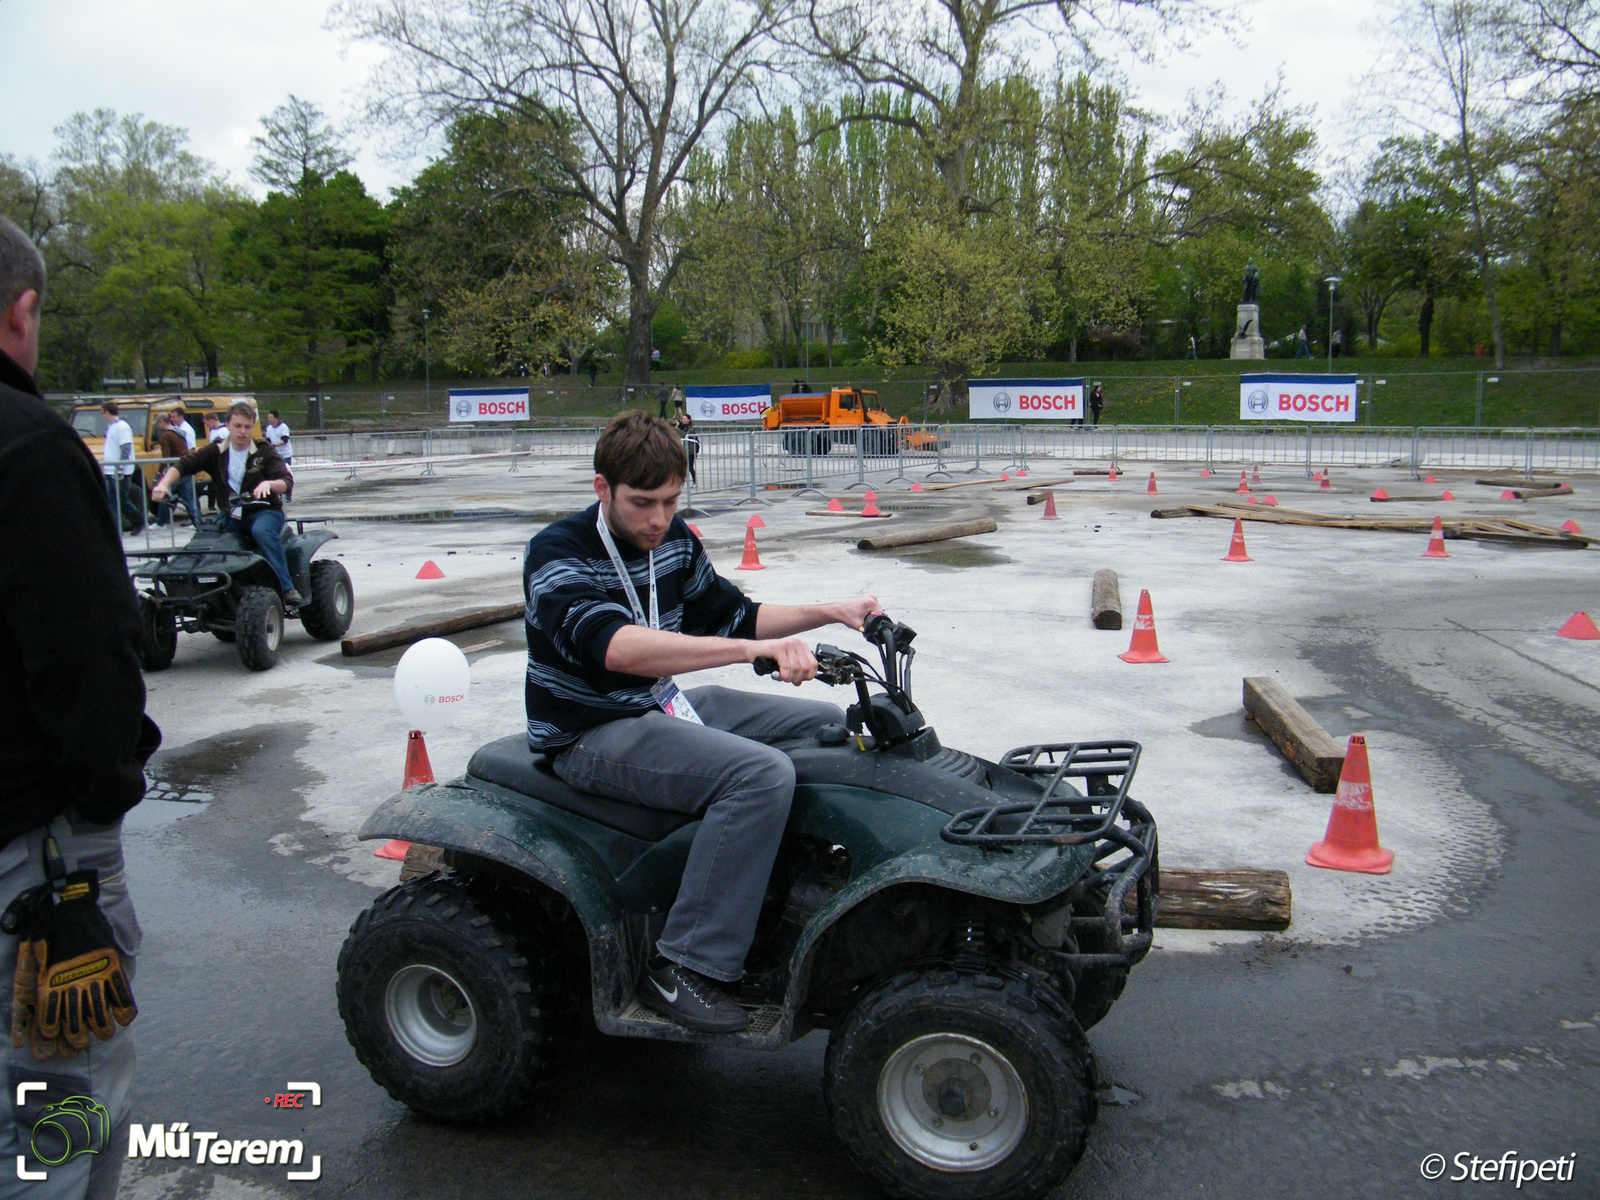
column 427, row 367
column 1331, row 281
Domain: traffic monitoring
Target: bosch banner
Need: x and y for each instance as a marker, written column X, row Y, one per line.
column 736, row 402
column 1297, row 397
column 488, row 404
column 1025, row 399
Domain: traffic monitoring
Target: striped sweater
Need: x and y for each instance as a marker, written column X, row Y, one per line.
column 575, row 603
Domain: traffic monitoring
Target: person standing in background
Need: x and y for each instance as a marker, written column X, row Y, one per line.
column 278, row 434
column 174, row 447
column 123, row 492
column 1097, row 403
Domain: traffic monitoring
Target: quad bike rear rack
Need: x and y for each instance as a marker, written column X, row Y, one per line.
column 1121, row 830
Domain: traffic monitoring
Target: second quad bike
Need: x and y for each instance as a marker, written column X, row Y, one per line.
column 954, row 924
column 218, row 583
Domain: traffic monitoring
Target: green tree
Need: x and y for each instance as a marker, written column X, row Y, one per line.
column 309, row 261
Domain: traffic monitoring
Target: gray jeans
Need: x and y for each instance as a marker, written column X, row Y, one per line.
column 723, row 770
column 105, row 1070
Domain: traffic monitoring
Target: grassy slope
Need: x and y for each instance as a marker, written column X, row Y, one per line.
column 1416, row 392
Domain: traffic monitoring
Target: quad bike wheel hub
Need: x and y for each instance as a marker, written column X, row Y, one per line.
column 952, row 1102
column 430, row 1015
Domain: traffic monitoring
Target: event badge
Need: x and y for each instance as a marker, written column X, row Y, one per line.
column 673, row 702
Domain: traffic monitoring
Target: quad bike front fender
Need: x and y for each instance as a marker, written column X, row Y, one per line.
column 298, row 549
column 477, row 821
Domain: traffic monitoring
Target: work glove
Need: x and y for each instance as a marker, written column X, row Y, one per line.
column 82, row 987
column 20, row 919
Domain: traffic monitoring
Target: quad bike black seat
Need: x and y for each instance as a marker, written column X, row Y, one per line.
column 508, row 763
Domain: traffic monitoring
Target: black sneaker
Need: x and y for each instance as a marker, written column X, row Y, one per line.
column 690, row 999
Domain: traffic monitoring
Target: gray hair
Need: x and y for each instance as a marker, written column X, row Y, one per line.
column 21, row 264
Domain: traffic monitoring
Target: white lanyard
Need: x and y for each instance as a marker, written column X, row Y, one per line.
column 627, row 582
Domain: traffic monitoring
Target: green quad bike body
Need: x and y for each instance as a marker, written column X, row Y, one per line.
column 218, row 583
column 955, row 924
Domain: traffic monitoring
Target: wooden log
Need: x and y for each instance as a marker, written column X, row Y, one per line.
column 1033, row 485
column 412, row 631
column 1525, row 491
column 937, row 533
column 849, row 512
column 1105, row 601
column 1095, row 471
column 1307, row 745
column 1240, row 898
column 1430, row 499
column 1517, row 482
column 945, row 487
column 1167, row 514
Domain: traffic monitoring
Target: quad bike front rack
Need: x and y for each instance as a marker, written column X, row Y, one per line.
column 1122, row 831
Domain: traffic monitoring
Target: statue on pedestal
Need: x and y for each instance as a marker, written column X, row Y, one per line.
column 1252, row 283
column 1247, row 340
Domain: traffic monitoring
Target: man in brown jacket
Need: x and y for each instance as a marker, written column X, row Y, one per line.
column 245, row 471
column 174, row 445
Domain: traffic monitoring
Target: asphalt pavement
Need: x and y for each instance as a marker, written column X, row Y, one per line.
column 1450, row 1008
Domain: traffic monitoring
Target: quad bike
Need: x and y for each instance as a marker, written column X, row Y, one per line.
column 955, row 924
column 219, row 584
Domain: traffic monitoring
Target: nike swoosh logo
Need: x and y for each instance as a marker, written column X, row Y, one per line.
column 670, row 997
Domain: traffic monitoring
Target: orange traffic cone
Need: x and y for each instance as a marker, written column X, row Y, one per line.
column 1113, row 472
column 1436, row 542
column 430, row 570
column 1244, row 485
column 917, row 487
column 1004, row 476
column 1447, row 495
column 1150, row 489
column 869, row 509
column 1508, row 494
column 1236, row 547
column 834, row 505
column 755, row 522
column 1049, row 507
column 1430, row 479
column 1351, row 843
column 751, row 560
column 1255, row 473
column 1380, row 494
column 1143, row 648
column 1326, row 486
column 418, row 770
column 1570, row 526
column 1272, row 500
column 1022, row 472
column 1580, row 626
column 870, row 496
column 1206, row 472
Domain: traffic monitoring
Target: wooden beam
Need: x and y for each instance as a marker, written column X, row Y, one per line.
column 1105, row 601
column 413, row 631
column 1307, row 745
column 937, row 533
column 849, row 512
column 1240, row 898
column 945, row 487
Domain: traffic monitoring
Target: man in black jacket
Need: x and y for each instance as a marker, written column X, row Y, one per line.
column 73, row 739
column 244, row 470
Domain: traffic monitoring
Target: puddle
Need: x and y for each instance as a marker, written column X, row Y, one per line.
column 951, row 556
column 165, row 801
column 1231, row 726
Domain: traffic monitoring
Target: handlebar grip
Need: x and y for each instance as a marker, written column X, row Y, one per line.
column 766, row 666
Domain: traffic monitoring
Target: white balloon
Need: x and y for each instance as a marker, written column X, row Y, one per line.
column 431, row 683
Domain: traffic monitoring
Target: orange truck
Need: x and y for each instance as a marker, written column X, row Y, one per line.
column 815, row 422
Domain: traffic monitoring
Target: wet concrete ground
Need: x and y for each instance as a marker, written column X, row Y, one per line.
column 1452, row 1007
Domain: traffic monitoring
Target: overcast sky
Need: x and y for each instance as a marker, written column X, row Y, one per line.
column 215, row 67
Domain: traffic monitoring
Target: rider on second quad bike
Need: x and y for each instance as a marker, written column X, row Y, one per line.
column 621, row 597
column 246, row 471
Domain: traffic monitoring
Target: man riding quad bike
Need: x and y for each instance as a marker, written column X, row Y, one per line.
column 954, row 923
column 241, row 581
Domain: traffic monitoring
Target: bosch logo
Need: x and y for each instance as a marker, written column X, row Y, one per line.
column 1064, row 402
column 428, row 699
column 463, row 408
column 501, row 408
column 708, row 409
column 1002, row 402
column 1327, row 404
column 1257, row 400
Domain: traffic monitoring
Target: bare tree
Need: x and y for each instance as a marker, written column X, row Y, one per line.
column 638, row 83
column 296, row 142
column 1560, row 40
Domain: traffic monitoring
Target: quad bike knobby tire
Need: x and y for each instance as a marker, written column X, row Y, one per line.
column 258, row 627
column 326, row 613
column 440, row 1004
column 955, row 1085
column 158, row 635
